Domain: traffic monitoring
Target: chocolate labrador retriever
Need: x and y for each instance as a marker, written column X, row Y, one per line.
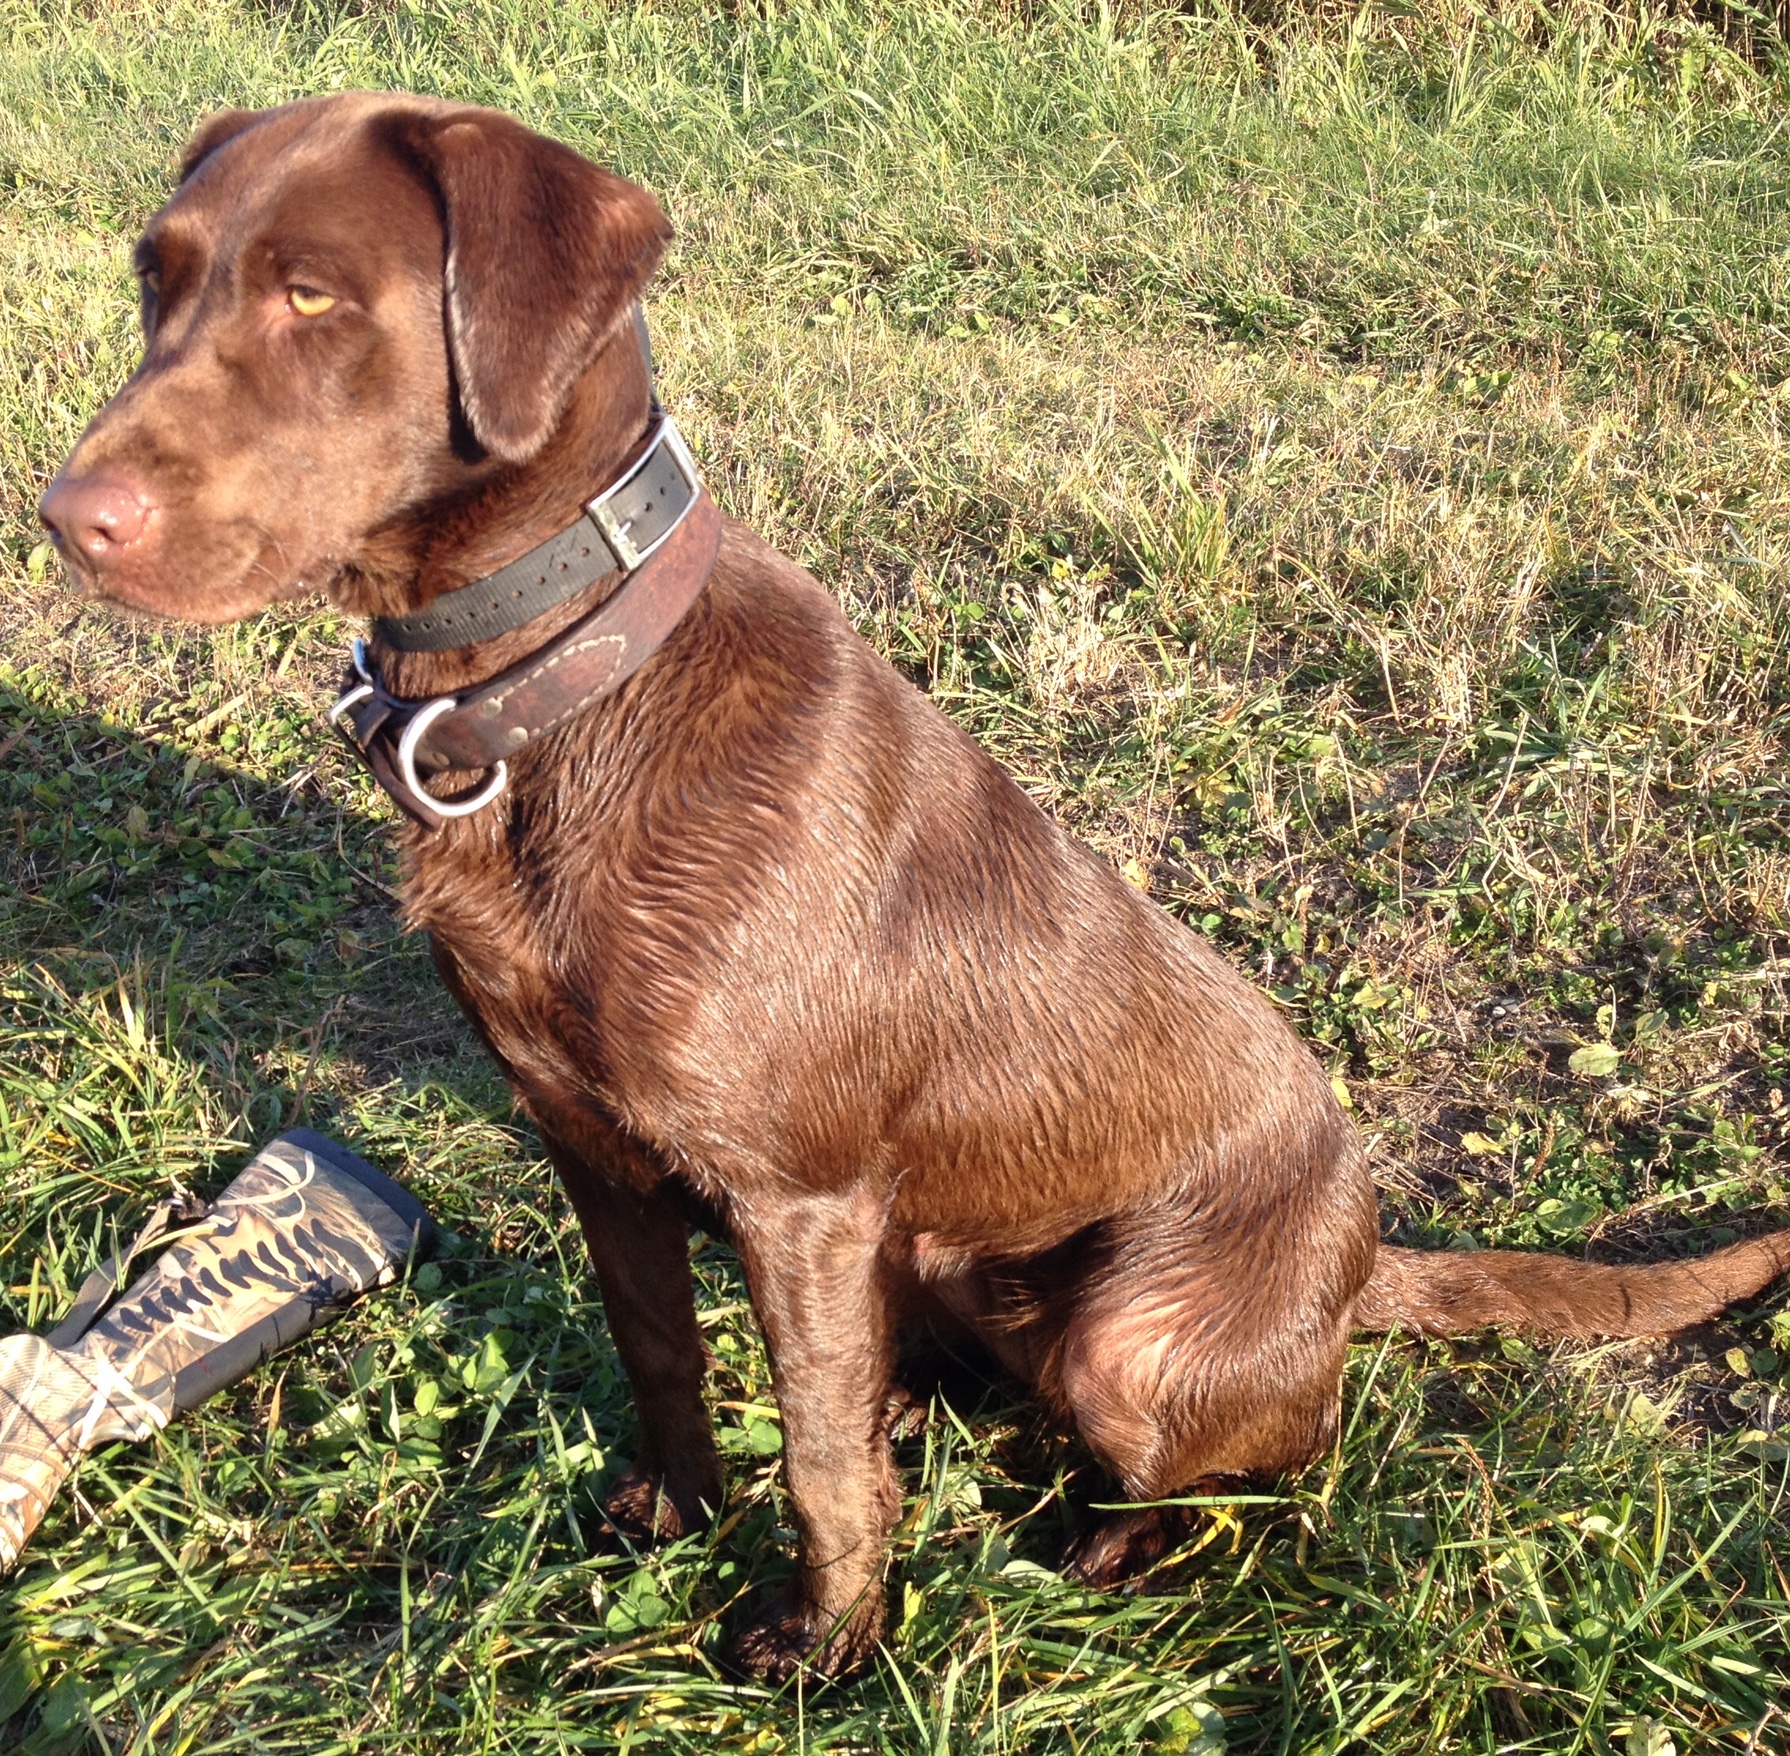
column 760, row 938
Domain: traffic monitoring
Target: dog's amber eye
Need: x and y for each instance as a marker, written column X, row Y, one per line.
column 152, row 282
column 308, row 302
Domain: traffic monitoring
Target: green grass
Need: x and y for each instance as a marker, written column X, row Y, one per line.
column 1339, row 467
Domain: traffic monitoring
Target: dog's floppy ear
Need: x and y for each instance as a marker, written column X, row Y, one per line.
column 546, row 252
column 212, row 133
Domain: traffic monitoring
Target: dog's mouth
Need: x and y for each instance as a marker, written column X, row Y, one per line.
column 243, row 568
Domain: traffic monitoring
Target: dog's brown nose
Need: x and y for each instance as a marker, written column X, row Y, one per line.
column 93, row 517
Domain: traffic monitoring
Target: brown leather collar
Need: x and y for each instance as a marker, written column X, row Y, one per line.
column 403, row 742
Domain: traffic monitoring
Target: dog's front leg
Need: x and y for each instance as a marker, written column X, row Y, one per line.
column 640, row 1248
column 813, row 1263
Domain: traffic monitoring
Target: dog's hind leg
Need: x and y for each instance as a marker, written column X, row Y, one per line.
column 1207, row 1350
column 639, row 1245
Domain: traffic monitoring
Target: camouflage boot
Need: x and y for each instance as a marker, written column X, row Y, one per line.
column 307, row 1228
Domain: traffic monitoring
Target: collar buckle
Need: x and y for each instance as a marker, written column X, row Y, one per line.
column 616, row 532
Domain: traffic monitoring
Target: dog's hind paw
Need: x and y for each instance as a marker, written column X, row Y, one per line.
column 905, row 1416
column 1119, row 1552
column 785, row 1638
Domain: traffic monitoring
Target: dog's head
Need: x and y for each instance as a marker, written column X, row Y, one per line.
column 357, row 310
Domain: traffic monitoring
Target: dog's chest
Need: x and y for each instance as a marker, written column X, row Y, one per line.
column 499, row 938
column 575, row 1001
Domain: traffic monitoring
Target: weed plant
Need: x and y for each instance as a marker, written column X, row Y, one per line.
column 1338, row 466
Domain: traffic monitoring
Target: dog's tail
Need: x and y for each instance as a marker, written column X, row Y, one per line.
column 1452, row 1292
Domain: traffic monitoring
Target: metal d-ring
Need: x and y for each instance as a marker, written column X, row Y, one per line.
column 349, row 698
column 355, row 693
column 425, row 717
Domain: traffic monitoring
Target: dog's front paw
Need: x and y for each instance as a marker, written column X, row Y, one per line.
column 788, row 1637
column 647, row 1507
column 1119, row 1551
